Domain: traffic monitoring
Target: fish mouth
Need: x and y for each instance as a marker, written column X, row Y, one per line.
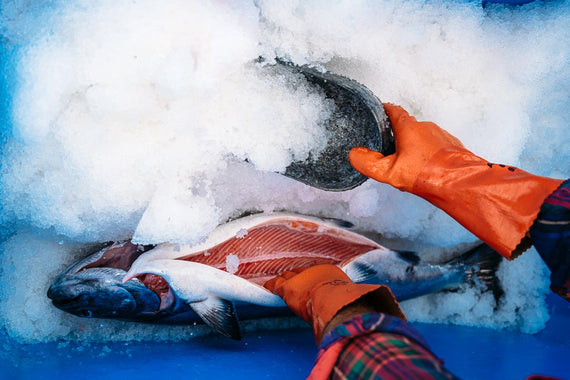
column 76, row 306
column 71, row 304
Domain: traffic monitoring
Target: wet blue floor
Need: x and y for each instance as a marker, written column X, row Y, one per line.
column 477, row 353
column 471, row 353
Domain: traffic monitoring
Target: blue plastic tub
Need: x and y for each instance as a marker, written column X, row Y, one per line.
column 470, row 353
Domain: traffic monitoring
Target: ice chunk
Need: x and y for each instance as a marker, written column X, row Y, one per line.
column 151, row 119
column 241, row 233
column 232, row 263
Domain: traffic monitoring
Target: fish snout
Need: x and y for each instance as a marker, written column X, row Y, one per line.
column 94, row 295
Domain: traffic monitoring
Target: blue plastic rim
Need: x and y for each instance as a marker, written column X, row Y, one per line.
column 468, row 352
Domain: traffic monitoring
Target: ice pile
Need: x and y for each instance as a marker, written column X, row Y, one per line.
column 151, row 119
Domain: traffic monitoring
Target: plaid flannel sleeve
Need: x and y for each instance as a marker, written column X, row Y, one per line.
column 376, row 346
column 550, row 235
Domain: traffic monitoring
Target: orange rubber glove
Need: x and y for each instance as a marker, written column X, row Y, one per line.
column 317, row 294
column 497, row 203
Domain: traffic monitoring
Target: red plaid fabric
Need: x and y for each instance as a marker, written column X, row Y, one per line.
column 389, row 357
column 379, row 346
column 550, row 234
column 376, row 346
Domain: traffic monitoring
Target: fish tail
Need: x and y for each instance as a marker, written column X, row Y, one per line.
column 481, row 264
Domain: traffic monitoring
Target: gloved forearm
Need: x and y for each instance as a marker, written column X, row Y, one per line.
column 497, row 203
column 319, row 293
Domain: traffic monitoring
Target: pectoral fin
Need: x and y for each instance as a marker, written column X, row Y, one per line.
column 361, row 272
column 220, row 315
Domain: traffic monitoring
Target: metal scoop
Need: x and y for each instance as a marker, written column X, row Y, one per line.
column 358, row 120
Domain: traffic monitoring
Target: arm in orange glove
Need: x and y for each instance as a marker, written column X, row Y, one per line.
column 497, row 203
column 368, row 330
column 324, row 293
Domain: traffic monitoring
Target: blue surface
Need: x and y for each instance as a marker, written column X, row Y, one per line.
column 510, row 2
column 471, row 353
column 8, row 80
column 479, row 353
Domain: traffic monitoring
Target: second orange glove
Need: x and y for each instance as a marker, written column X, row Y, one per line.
column 317, row 294
column 497, row 203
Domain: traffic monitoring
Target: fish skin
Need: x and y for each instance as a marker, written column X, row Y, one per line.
column 196, row 282
column 407, row 276
column 410, row 277
column 209, row 291
column 99, row 293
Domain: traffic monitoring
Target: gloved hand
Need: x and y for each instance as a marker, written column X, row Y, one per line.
column 497, row 203
column 318, row 293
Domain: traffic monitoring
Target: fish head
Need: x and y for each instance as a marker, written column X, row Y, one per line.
column 94, row 288
column 100, row 293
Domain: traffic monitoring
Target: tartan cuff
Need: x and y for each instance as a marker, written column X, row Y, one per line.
column 556, row 206
column 372, row 322
column 550, row 234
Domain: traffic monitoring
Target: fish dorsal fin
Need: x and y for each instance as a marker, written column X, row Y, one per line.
column 409, row 256
column 361, row 272
column 341, row 223
column 220, row 315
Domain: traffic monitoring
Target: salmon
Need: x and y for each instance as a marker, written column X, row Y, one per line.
column 211, row 281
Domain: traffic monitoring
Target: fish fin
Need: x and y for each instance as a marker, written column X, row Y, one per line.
column 340, row 222
column 360, row 272
column 409, row 256
column 220, row 315
column 167, row 300
column 481, row 263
